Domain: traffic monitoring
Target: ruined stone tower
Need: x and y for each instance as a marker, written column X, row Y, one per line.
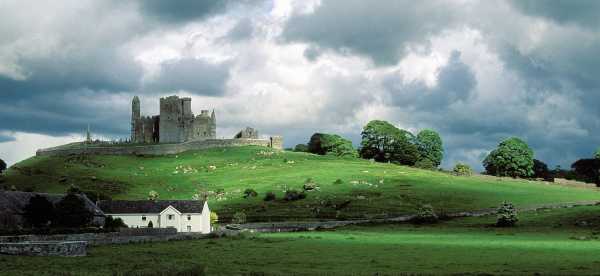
column 175, row 124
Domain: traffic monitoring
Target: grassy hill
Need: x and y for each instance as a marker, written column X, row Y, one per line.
column 366, row 189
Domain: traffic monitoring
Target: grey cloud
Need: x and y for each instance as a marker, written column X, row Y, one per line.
column 581, row 12
column 242, row 30
column 182, row 11
column 377, row 29
column 312, row 53
column 6, row 138
column 194, row 75
column 455, row 83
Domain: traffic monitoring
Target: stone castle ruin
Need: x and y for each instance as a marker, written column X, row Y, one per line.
column 176, row 129
column 175, row 124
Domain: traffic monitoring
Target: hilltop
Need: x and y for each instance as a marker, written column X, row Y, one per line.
column 347, row 187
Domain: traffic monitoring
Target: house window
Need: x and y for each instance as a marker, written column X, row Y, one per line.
column 170, row 217
column 189, row 228
column 189, row 217
column 143, row 218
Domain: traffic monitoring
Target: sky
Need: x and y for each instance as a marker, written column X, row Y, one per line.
column 475, row 71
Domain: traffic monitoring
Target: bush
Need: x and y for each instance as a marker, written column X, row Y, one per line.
column 72, row 212
column 425, row 214
column 214, row 218
column 384, row 142
column 513, row 157
column 73, row 189
column 596, row 155
column 462, row 169
column 269, row 196
column 301, row 148
column 292, row 195
column 540, row 170
column 338, row 181
column 507, row 215
column 114, row 223
column 239, row 217
column 425, row 164
column 587, row 170
column 250, row 193
column 309, row 185
column 39, row 211
column 323, row 143
column 430, row 147
column 153, row 195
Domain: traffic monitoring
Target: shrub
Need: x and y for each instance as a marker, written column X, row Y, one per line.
column 214, row 218
column 250, row 193
column 323, row 143
column 301, row 148
column 425, row 164
column 39, row 211
column 239, row 217
column 292, row 195
column 513, row 157
column 430, row 147
column 462, row 169
column 153, row 195
column 425, row 214
column 309, row 185
column 269, row 196
column 72, row 212
column 73, row 189
column 338, row 181
column 506, row 215
column 113, row 223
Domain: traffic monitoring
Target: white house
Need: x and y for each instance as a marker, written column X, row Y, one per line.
column 184, row 215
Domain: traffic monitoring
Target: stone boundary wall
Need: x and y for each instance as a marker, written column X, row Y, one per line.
column 100, row 238
column 48, row 248
column 154, row 149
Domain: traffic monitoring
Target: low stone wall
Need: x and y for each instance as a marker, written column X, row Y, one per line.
column 155, row 149
column 49, row 248
column 103, row 238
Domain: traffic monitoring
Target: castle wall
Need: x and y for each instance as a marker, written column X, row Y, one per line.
column 171, row 120
column 159, row 149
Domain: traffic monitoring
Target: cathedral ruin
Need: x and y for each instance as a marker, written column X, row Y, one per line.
column 175, row 123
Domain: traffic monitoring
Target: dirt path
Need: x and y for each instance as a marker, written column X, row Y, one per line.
column 313, row 225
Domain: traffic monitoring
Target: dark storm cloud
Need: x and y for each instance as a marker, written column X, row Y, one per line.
column 179, row 11
column 582, row 12
column 193, row 75
column 377, row 29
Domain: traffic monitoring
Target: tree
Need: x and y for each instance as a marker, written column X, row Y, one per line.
column 114, row 223
column 39, row 211
column 2, row 166
column 540, row 170
column 323, row 143
column 587, row 170
column 384, row 142
column 506, row 215
column 596, row 155
column 513, row 157
column 72, row 212
column 430, row 146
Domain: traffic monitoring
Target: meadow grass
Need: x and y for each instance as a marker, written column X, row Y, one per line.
column 367, row 189
column 546, row 242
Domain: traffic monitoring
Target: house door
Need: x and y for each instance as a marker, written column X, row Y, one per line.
column 189, row 228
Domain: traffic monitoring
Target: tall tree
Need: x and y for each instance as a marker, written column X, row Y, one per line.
column 384, row 142
column 513, row 157
column 39, row 211
column 323, row 143
column 430, row 146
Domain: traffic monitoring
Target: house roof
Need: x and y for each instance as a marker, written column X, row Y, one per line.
column 14, row 202
column 149, row 206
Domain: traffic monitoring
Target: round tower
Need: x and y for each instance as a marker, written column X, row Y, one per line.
column 135, row 116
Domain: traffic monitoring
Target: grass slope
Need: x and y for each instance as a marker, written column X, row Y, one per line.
column 549, row 242
column 372, row 189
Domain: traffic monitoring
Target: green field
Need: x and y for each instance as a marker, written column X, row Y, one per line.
column 367, row 189
column 548, row 242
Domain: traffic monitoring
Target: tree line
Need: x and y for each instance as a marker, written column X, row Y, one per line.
column 381, row 141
